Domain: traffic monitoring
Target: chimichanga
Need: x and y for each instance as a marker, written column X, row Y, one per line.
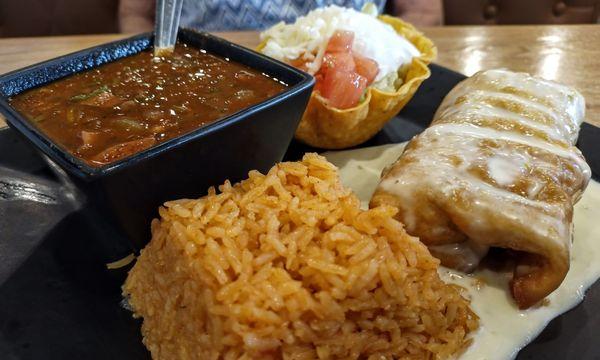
column 497, row 168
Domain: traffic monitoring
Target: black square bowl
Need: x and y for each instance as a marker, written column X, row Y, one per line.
column 123, row 197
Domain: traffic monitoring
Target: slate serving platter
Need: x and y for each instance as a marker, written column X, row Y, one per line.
column 58, row 300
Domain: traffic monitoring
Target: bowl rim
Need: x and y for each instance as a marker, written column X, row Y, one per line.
column 81, row 169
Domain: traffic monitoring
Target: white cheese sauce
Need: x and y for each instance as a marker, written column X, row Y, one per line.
column 468, row 130
column 505, row 169
column 504, row 329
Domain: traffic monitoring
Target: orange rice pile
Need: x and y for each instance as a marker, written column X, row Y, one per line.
column 286, row 266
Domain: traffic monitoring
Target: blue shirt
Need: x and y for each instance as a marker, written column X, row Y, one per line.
column 215, row 15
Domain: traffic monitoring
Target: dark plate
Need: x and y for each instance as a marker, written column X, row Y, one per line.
column 58, row 301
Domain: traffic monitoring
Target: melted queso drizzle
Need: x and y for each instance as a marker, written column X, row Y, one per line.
column 504, row 329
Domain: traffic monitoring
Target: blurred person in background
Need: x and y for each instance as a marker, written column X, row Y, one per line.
column 219, row 15
column 63, row 17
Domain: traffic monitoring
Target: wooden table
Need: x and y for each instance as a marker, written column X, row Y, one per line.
column 567, row 53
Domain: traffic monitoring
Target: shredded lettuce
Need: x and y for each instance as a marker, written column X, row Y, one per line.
column 370, row 9
column 389, row 82
column 392, row 81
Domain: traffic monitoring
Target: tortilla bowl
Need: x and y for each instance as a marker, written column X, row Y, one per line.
column 327, row 127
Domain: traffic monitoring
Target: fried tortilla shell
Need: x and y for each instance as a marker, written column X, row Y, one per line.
column 327, row 127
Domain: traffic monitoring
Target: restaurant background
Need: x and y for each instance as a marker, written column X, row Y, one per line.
column 53, row 271
column 67, row 17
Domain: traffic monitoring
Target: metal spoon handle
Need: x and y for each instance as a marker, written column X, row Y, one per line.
column 168, row 13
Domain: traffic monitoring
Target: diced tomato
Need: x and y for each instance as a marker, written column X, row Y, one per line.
column 366, row 67
column 337, row 62
column 343, row 89
column 343, row 76
column 340, row 41
column 119, row 151
column 90, row 137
